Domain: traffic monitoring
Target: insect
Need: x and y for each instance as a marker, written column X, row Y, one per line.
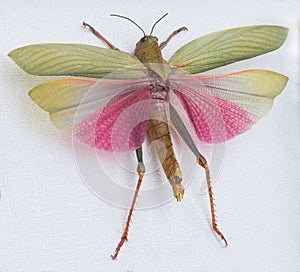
column 219, row 107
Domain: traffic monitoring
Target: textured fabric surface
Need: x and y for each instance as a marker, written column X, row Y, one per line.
column 51, row 221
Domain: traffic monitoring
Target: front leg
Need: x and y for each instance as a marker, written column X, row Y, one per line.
column 163, row 44
column 98, row 35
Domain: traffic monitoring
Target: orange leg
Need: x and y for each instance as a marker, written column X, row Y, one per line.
column 182, row 130
column 98, row 35
column 163, row 44
column 126, row 230
column 211, row 200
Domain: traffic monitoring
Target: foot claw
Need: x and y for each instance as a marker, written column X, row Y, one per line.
column 220, row 234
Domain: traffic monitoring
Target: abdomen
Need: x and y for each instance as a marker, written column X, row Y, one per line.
column 159, row 134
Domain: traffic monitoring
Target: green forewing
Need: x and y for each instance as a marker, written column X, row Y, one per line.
column 227, row 46
column 76, row 60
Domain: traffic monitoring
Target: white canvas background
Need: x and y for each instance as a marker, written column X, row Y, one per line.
column 49, row 219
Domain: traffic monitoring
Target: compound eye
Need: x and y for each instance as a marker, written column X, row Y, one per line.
column 143, row 39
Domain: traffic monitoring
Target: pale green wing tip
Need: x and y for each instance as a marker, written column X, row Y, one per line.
column 34, row 98
column 285, row 30
column 17, row 58
column 283, row 80
column 277, row 83
column 31, row 93
column 11, row 54
column 283, row 33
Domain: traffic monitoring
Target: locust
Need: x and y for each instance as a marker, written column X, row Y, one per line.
column 218, row 107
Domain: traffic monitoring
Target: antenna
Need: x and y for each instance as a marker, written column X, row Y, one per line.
column 157, row 22
column 116, row 15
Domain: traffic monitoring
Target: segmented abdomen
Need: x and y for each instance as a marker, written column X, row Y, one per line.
column 159, row 134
